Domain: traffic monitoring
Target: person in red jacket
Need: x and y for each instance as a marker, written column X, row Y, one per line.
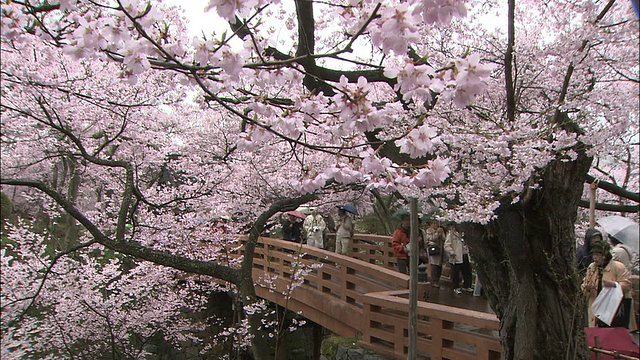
column 400, row 241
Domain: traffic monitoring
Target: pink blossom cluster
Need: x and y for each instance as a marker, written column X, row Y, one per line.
column 211, row 130
column 86, row 304
column 139, row 38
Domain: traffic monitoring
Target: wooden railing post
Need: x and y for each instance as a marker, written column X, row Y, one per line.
column 413, row 282
column 592, row 204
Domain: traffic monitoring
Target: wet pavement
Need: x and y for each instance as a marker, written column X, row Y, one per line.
column 445, row 296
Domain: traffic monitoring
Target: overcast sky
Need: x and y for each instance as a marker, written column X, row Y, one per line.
column 199, row 20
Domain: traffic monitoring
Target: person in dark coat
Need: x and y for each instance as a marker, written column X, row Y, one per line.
column 292, row 229
column 583, row 256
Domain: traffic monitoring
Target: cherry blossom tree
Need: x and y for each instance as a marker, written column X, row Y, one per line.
column 87, row 306
column 72, row 131
column 497, row 126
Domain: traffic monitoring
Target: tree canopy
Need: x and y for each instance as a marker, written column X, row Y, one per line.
column 152, row 144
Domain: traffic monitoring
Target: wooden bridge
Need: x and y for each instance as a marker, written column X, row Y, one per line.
column 363, row 296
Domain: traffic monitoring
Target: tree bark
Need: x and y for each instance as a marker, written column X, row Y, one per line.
column 526, row 262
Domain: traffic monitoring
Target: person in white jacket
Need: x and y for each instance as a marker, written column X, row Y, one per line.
column 621, row 252
column 314, row 226
column 459, row 258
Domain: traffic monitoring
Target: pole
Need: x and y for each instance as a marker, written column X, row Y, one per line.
column 592, row 204
column 413, row 280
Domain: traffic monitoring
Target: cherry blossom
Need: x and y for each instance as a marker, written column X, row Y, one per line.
column 228, row 9
column 396, row 29
column 419, row 142
column 441, row 11
column 410, row 97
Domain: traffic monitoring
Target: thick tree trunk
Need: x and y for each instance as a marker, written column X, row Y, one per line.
column 526, row 262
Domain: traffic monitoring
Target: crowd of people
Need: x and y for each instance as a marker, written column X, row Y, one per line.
column 437, row 246
column 313, row 228
column 602, row 265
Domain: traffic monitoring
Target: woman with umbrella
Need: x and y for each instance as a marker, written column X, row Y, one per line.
column 623, row 235
column 621, row 252
column 344, row 232
column 292, row 226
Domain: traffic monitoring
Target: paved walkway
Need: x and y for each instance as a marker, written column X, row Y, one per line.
column 445, row 296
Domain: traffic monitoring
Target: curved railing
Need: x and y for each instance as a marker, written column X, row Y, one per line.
column 362, row 296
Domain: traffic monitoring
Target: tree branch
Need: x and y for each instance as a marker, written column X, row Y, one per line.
column 375, row 75
column 163, row 258
column 261, row 221
column 611, row 207
column 614, row 189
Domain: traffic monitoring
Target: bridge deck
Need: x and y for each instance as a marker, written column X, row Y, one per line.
column 446, row 296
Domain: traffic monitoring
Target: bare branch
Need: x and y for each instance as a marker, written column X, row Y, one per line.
column 614, row 189
column 134, row 249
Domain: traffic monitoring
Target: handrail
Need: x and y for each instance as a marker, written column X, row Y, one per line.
column 443, row 331
column 352, row 297
column 374, row 249
column 340, row 276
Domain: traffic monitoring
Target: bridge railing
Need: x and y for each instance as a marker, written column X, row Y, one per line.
column 443, row 332
column 374, row 249
column 378, row 249
column 352, row 297
column 344, row 277
column 325, row 287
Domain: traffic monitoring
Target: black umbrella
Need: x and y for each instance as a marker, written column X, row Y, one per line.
column 348, row 208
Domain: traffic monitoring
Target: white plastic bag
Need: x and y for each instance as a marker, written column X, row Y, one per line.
column 606, row 304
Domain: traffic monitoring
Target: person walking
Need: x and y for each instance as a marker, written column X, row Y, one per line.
column 434, row 238
column 400, row 241
column 459, row 258
column 314, row 226
column 344, row 232
column 606, row 272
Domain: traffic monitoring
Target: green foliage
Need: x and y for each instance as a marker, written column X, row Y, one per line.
column 6, row 208
column 382, row 220
column 6, row 211
column 331, row 344
column 371, row 224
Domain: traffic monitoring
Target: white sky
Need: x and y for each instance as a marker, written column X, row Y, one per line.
column 198, row 20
